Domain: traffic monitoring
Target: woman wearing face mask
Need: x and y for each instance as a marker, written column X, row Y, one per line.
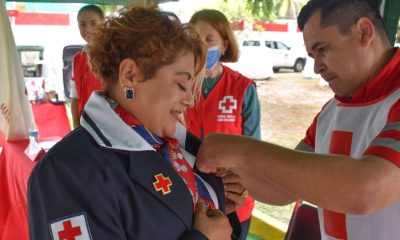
column 228, row 104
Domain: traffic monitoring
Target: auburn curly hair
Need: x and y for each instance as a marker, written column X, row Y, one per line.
column 152, row 38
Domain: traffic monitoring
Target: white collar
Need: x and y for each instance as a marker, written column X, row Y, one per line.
column 109, row 131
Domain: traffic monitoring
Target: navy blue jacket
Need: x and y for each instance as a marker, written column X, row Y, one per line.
column 93, row 185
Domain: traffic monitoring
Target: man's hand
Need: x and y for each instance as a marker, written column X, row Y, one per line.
column 221, row 151
column 235, row 192
column 212, row 223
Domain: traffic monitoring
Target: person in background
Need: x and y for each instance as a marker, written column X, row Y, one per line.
column 84, row 82
column 348, row 163
column 128, row 171
column 228, row 102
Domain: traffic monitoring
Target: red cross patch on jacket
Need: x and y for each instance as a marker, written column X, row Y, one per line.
column 70, row 228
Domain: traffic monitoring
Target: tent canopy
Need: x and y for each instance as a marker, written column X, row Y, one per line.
column 391, row 9
column 121, row 2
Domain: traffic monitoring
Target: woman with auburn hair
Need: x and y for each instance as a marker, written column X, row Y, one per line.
column 128, row 172
column 228, row 103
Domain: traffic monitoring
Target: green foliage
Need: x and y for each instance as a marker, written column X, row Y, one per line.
column 261, row 9
column 234, row 10
column 110, row 8
column 250, row 10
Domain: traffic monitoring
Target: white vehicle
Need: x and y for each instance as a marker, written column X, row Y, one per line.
column 280, row 54
column 252, row 66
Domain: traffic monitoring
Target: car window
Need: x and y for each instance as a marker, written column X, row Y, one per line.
column 269, row 44
column 281, row 45
column 251, row 43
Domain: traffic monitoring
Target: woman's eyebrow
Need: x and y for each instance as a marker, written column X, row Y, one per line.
column 185, row 73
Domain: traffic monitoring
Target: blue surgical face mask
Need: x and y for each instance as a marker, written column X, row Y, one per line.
column 213, row 56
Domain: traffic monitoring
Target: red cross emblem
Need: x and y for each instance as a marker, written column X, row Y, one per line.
column 70, row 228
column 162, row 184
column 227, row 104
column 69, row 232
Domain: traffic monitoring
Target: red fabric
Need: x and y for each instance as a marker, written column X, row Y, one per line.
column 309, row 139
column 126, row 117
column 378, row 88
column 375, row 90
column 341, row 143
column 177, row 159
column 51, row 120
column 244, row 212
column 15, row 169
column 85, row 81
column 209, row 116
column 30, row 18
column 384, row 152
column 175, row 156
column 335, row 224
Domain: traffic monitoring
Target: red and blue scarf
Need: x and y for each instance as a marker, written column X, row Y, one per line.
column 170, row 151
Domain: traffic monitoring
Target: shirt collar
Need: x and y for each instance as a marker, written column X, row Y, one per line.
column 110, row 131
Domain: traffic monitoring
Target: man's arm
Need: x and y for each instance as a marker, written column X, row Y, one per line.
column 264, row 191
column 334, row 182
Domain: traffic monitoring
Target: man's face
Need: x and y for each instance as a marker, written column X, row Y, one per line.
column 341, row 59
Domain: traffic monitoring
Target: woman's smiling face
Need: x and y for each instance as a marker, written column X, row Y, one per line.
column 161, row 100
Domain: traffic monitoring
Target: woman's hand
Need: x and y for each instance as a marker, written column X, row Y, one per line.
column 212, row 223
column 235, row 192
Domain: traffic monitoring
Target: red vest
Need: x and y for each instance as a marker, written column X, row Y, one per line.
column 221, row 112
column 85, row 81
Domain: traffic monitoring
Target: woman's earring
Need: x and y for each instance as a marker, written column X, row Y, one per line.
column 129, row 93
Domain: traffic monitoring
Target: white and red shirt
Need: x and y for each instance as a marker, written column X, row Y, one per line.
column 368, row 123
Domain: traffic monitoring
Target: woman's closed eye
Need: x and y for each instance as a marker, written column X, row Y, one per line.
column 182, row 87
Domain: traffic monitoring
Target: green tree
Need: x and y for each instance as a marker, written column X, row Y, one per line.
column 258, row 10
column 263, row 10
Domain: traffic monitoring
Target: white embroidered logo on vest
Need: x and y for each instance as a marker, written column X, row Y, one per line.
column 227, row 104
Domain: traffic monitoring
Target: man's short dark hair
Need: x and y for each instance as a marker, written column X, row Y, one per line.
column 344, row 14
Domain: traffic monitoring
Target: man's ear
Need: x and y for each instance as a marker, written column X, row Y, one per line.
column 129, row 73
column 366, row 30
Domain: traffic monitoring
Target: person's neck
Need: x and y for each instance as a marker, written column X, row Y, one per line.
column 385, row 56
column 215, row 72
